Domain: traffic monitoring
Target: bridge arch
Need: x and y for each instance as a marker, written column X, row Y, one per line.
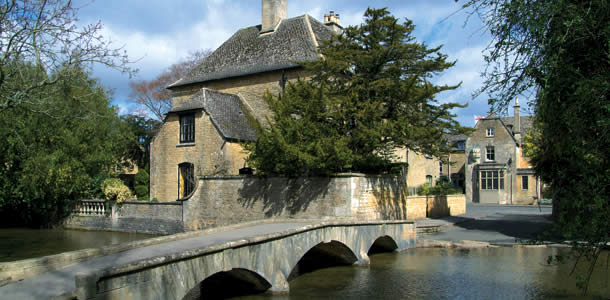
column 323, row 255
column 383, row 244
column 225, row 284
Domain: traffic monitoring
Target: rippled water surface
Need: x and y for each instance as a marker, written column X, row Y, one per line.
column 489, row 273
column 16, row 244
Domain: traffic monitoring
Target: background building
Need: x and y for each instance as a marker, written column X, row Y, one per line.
column 496, row 170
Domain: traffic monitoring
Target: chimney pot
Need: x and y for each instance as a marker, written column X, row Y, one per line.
column 331, row 20
column 273, row 12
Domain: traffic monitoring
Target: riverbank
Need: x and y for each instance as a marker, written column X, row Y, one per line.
column 486, row 225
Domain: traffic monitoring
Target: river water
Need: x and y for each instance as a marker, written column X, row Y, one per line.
column 488, row 273
column 16, row 244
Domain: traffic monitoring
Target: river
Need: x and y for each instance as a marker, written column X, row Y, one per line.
column 433, row 273
column 21, row 243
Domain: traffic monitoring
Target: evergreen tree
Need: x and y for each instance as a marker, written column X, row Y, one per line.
column 369, row 94
column 56, row 152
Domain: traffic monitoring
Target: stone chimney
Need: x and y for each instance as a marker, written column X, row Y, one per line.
column 273, row 12
column 517, row 121
column 331, row 20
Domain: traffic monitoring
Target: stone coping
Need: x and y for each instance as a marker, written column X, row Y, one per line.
column 135, row 202
column 22, row 269
column 337, row 175
column 177, row 203
column 84, row 280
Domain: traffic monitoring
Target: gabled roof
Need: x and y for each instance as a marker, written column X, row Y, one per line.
column 526, row 123
column 508, row 123
column 249, row 52
column 226, row 112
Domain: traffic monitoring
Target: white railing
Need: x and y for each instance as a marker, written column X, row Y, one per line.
column 91, row 208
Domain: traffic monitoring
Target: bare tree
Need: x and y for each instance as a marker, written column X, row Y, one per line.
column 153, row 96
column 44, row 34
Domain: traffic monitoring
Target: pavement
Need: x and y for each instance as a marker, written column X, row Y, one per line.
column 495, row 224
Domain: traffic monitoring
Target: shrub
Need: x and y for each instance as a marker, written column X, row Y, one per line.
column 441, row 188
column 115, row 189
column 141, row 192
column 141, row 188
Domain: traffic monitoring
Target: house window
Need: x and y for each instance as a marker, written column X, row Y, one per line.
column 490, row 153
column 492, row 180
column 524, row 182
column 490, row 131
column 461, row 145
column 429, row 180
column 440, row 167
column 187, row 128
column 186, row 179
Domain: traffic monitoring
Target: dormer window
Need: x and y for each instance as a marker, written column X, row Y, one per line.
column 490, row 131
column 187, row 128
column 461, row 145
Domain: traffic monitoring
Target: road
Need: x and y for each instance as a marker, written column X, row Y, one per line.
column 497, row 224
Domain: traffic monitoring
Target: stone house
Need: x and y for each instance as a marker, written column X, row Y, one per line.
column 201, row 134
column 496, row 169
column 454, row 170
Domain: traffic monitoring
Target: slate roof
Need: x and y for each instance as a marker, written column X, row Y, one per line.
column 526, row 123
column 249, row 52
column 226, row 112
column 452, row 140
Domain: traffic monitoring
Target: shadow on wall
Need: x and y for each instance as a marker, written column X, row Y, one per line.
column 437, row 206
column 283, row 195
column 390, row 194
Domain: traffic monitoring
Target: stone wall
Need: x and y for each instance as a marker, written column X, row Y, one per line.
column 221, row 201
column 136, row 217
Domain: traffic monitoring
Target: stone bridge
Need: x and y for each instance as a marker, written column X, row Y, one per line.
column 242, row 260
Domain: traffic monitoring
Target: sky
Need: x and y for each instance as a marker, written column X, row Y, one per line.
column 157, row 33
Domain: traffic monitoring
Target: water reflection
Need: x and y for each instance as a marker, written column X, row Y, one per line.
column 16, row 244
column 489, row 273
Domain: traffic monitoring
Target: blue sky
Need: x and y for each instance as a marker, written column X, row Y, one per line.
column 159, row 33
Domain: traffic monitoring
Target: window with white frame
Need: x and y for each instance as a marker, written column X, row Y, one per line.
column 492, row 180
column 490, row 131
column 490, row 153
